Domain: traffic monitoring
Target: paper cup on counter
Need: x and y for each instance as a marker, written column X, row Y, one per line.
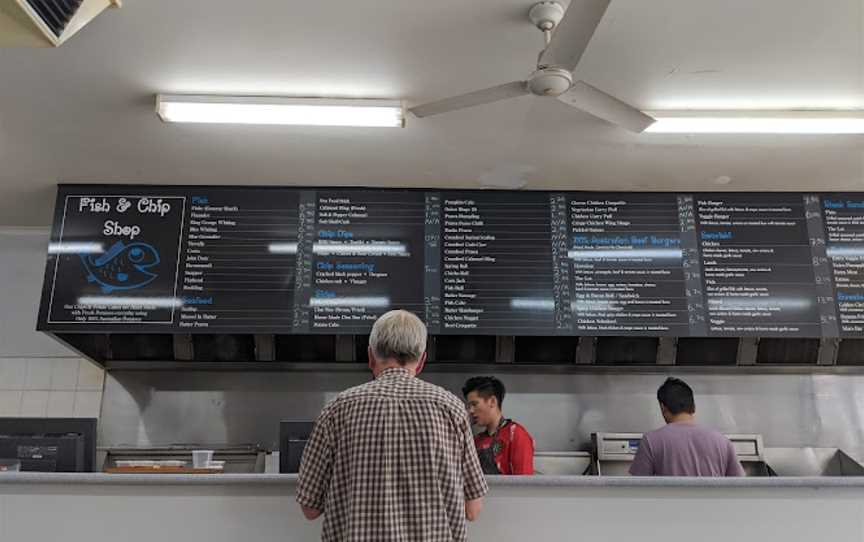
column 201, row 458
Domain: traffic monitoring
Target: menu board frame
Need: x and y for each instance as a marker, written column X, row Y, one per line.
column 427, row 242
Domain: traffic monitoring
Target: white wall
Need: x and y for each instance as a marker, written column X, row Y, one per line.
column 38, row 376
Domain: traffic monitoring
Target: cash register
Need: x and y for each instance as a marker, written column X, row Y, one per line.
column 49, row 444
column 293, row 436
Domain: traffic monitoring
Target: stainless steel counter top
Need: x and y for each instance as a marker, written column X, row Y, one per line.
column 494, row 481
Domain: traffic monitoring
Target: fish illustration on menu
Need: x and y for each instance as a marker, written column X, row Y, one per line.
column 122, row 267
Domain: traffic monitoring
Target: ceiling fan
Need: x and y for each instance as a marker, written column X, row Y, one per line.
column 567, row 35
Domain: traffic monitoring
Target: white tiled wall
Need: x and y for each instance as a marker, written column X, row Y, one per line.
column 38, row 376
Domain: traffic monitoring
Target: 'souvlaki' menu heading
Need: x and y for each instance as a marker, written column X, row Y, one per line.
column 170, row 259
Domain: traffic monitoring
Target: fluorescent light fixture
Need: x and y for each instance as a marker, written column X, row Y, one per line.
column 589, row 305
column 282, row 248
column 531, row 303
column 149, row 302
column 358, row 249
column 279, row 110
column 379, row 302
column 749, row 304
column 75, row 248
column 844, row 252
column 625, row 254
column 350, row 249
column 757, row 122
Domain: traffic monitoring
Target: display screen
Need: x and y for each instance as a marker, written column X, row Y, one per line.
column 170, row 259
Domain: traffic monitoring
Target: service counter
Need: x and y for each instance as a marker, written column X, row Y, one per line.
column 260, row 507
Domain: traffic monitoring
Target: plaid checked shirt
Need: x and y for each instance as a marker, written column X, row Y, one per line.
column 392, row 460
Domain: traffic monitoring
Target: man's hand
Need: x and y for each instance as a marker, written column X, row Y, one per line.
column 313, row 513
column 472, row 508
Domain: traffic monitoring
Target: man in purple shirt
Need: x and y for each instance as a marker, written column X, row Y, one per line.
column 682, row 448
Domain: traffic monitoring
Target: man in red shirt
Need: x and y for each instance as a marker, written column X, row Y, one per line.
column 505, row 447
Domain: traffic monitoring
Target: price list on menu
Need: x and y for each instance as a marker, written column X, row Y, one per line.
column 843, row 218
column 628, row 268
column 561, row 285
column 692, row 265
column 239, row 263
column 368, row 258
column 757, row 265
column 432, row 265
column 496, row 263
column 822, row 276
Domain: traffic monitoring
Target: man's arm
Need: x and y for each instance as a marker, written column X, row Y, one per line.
column 733, row 466
column 316, row 466
column 472, row 508
column 643, row 463
column 310, row 513
column 521, row 451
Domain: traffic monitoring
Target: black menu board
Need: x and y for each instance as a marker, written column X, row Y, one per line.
column 843, row 217
column 757, row 265
column 367, row 258
column 174, row 259
column 113, row 260
column 496, row 263
column 238, row 263
column 627, row 264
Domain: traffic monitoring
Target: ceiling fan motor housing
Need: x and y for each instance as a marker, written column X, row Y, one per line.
column 550, row 81
column 546, row 15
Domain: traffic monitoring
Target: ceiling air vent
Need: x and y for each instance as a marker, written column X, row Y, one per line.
column 46, row 23
column 56, row 14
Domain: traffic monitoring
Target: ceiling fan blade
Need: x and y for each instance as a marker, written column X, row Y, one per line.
column 570, row 38
column 478, row 97
column 603, row 106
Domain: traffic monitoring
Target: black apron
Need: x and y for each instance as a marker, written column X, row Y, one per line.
column 487, row 455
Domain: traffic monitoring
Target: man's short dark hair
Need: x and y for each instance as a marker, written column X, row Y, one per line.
column 485, row 386
column 676, row 396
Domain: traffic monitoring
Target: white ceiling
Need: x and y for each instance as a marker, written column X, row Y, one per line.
column 84, row 112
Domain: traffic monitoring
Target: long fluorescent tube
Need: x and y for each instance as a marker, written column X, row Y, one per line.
column 353, row 249
column 75, row 248
column 356, row 249
column 757, row 122
column 349, row 301
column 150, row 302
column 276, row 110
column 628, row 253
column 532, row 303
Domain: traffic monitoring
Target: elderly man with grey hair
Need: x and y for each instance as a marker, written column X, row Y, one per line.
column 393, row 459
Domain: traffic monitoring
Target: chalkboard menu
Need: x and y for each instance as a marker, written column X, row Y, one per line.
column 111, row 247
column 236, row 274
column 758, row 264
column 628, row 266
column 367, row 257
column 496, row 264
column 172, row 259
column 841, row 250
